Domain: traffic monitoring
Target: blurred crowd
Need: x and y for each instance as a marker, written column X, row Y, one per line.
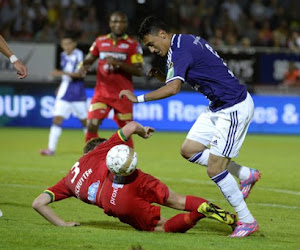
column 244, row 23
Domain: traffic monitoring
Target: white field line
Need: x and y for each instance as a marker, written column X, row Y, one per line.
column 15, row 185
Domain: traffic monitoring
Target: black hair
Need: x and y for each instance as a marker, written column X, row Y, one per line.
column 120, row 13
column 151, row 25
column 92, row 143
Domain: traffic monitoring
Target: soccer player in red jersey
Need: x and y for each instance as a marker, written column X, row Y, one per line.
column 129, row 198
column 120, row 57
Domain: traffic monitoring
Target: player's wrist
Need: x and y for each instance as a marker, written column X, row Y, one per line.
column 141, row 98
column 13, row 59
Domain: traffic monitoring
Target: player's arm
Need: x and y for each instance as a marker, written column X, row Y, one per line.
column 18, row 65
column 135, row 69
column 170, row 89
column 86, row 64
column 160, row 76
column 59, row 73
column 41, row 205
column 134, row 127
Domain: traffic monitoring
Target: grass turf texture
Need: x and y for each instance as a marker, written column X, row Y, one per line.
column 24, row 174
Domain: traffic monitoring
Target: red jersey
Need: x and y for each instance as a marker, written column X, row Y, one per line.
column 111, row 81
column 86, row 177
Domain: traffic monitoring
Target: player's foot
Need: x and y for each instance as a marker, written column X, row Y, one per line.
column 1, row 214
column 211, row 211
column 244, row 229
column 47, row 152
column 248, row 184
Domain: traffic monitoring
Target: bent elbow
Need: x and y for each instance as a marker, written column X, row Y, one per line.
column 36, row 204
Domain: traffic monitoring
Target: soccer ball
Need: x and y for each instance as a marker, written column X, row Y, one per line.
column 121, row 160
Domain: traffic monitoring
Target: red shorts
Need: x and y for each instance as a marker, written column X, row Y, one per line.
column 131, row 202
column 101, row 106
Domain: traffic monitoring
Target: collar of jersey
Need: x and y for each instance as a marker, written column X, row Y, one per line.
column 124, row 37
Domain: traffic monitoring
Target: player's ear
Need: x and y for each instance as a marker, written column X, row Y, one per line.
column 162, row 34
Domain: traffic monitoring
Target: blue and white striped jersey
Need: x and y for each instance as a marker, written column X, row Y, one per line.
column 191, row 59
column 71, row 90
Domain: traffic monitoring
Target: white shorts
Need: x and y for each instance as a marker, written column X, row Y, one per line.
column 224, row 130
column 65, row 109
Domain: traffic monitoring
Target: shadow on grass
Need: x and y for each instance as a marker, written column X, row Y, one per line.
column 115, row 225
column 15, row 204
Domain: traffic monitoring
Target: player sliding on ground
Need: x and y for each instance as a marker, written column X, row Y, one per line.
column 129, row 197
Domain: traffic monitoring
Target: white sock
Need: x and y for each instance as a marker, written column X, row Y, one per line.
column 234, row 196
column 55, row 132
column 84, row 130
column 241, row 172
column 200, row 158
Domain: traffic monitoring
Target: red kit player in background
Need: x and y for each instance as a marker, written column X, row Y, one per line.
column 130, row 197
column 120, row 58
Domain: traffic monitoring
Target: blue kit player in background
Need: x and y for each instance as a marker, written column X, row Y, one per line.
column 71, row 97
column 218, row 133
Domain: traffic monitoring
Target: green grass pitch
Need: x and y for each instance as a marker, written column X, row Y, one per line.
column 24, row 174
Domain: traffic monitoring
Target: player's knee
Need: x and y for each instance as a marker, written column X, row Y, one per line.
column 93, row 124
column 57, row 120
column 185, row 152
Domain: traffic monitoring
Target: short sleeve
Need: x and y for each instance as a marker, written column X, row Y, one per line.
column 137, row 54
column 94, row 49
column 59, row 191
column 180, row 62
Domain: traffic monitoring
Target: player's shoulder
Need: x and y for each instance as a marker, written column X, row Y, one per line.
column 102, row 38
column 77, row 51
column 131, row 40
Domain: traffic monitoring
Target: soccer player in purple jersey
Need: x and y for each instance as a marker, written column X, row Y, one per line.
column 218, row 133
column 70, row 98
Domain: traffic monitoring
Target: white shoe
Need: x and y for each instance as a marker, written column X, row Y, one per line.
column 1, row 214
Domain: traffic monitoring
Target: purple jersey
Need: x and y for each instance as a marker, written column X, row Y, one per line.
column 191, row 59
column 71, row 90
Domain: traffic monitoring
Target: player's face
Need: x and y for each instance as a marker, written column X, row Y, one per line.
column 157, row 43
column 68, row 45
column 118, row 24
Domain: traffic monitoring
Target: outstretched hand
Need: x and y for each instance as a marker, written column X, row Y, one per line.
column 154, row 72
column 21, row 69
column 131, row 97
column 148, row 132
column 72, row 224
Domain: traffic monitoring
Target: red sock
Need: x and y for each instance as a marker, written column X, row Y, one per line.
column 193, row 202
column 90, row 135
column 180, row 223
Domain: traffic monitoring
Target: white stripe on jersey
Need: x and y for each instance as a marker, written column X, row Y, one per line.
column 178, row 41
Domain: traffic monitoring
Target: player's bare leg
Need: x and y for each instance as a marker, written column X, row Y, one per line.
column 92, row 128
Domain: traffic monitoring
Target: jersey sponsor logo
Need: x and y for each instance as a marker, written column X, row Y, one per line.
column 170, row 73
column 114, row 196
column 105, row 44
column 92, row 191
column 123, row 46
column 116, row 55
